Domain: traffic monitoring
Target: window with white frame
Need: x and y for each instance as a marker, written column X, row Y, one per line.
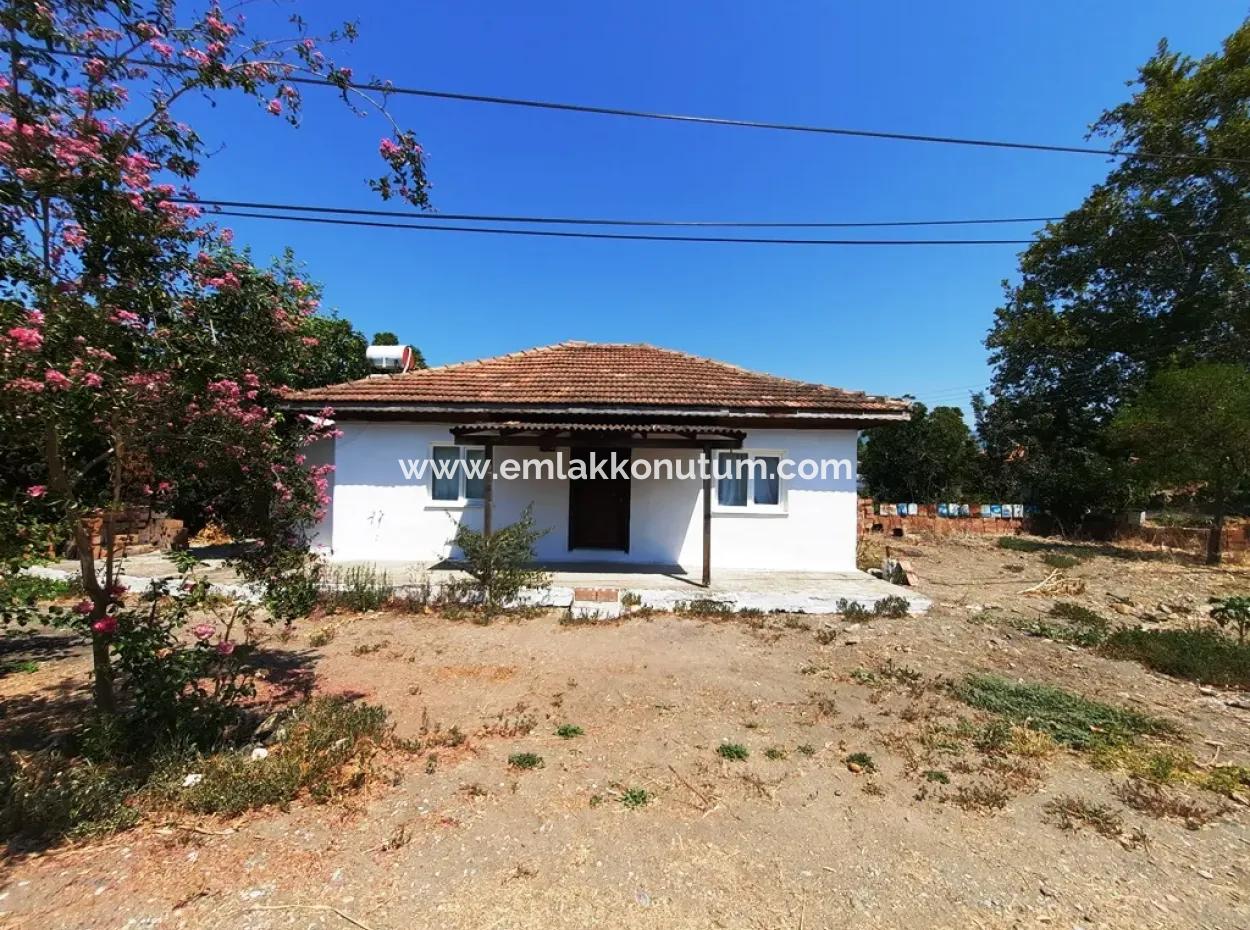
column 456, row 474
column 747, row 482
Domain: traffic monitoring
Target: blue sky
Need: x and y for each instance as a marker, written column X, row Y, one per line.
column 886, row 320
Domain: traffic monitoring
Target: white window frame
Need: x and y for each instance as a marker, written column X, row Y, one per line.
column 461, row 501
column 750, row 507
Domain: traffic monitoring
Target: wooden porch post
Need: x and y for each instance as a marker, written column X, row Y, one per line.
column 488, row 490
column 707, row 517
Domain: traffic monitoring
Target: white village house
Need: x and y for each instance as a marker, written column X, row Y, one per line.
column 562, row 403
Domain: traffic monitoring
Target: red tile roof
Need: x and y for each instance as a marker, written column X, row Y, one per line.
column 606, row 375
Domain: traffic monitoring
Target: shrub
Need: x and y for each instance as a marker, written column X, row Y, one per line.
column 500, row 564
column 735, row 752
column 634, row 798
column 1068, row 718
column 568, row 731
column 775, row 753
column 891, row 607
column 1204, row 656
column 525, row 760
column 1069, row 813
column 1234, row 612
column 704, row 607
column 359, row 587
column 17, row 591
column 46, row 797
column 293, row 594
column 327, row 749
column 852, row 611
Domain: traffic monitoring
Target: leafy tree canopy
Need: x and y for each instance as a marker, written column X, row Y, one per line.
column 1192, row 425
column 1147, row 274
column 932, row 457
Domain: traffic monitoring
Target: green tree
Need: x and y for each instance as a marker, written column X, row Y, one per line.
column 1192, row 426
column 142, row 356
column 1147, row 274
column 931, row 457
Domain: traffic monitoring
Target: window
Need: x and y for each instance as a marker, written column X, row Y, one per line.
column 457, row 474
column 748, row 482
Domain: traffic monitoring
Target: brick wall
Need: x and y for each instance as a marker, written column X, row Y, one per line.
column 928, row 521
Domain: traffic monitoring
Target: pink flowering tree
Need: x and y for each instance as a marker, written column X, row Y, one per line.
column 141, row 356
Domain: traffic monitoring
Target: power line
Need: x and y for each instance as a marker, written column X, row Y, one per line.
column 635, row 237
column 388, row 88
column 587, row 221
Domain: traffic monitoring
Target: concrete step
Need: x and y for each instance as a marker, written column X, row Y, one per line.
column 595, row 604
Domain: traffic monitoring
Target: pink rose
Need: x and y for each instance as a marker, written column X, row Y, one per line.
column 36, row 490
column 203, row 630
column 105, row 626
column 25, row 338
column 225, row 648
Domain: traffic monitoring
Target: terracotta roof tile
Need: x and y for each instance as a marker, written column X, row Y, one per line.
column 599, row 374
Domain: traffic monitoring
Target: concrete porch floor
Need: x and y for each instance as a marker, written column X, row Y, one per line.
column 660, row 587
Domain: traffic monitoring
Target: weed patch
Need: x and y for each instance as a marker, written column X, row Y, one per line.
column 1069, row 813
column 568, row 731
column 634, row 798
column 1205, row 656
column 1157, row 801
column 980, row 796
column 1059, row 560
column 525, row 760
column 860, row 762
column 1068, row 718
column 735, row 752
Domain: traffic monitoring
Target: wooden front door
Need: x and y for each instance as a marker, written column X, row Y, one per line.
column 599, row 506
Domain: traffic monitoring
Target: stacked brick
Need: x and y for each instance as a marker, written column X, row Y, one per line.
column 926, row 520
column 134, row 531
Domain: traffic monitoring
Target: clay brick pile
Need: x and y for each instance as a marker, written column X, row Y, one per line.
column 928, row 521
column 135, row 531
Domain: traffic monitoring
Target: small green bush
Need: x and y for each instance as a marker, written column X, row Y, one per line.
column 775, row 753
column 704, row 607
column 892, row 607
column 852, row 611
column 525, row 760
column 735, row 752
column 634, row 798
column 499, row 565
column 568, row 731
column 1205, row 656
column 1234, row 612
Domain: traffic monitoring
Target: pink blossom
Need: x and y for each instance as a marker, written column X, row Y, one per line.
column 203, row 630
column 56, row 380
column 25, row 386
column 274, row 106
column 105, row 626
column 92, row 380
column 311, row 341
column 225, row 648
column 388, row 149
column 26, row 338
column 83, row 607
column 73, row 237
column 127, row 319
column 36, row 490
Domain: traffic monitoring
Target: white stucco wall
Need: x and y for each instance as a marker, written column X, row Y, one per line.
column 377, row 514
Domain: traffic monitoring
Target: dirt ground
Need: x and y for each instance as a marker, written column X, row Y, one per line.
column 795, row 840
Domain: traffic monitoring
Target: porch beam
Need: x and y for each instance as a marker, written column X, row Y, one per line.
column 488, row 490
column 552, row 440
column 707, row 520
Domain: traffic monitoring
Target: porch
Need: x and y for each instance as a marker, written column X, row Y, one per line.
column 598, row 587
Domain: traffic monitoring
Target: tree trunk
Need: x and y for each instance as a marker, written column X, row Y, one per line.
column 1215, row 536
column 102, row 665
